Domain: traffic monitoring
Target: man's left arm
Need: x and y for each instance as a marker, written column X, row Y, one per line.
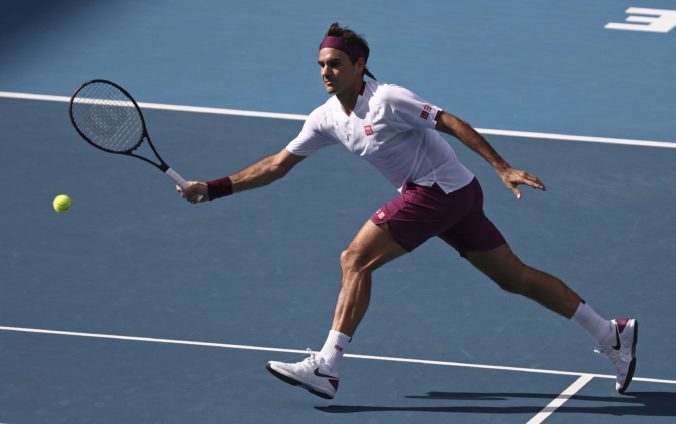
column 464, row 132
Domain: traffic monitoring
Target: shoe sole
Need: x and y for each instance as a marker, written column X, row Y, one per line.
column 291, row 381
column 632, row 364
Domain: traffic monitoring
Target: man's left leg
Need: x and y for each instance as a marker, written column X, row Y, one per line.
column 506, row 269
column 617, row 338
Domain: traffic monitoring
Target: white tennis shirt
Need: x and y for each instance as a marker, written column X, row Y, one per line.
column 393, row 129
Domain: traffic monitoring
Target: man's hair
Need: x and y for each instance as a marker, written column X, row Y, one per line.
column 350, row 37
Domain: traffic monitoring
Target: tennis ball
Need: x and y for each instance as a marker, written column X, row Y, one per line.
column 62, row 203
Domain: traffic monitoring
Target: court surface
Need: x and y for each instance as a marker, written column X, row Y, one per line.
column 138, row 307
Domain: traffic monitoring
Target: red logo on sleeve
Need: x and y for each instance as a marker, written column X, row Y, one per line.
column 426, row 112
column 368, row 130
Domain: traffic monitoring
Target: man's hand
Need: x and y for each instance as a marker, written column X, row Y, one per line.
column 464, row 132
column 512, row 177
column 194, row 191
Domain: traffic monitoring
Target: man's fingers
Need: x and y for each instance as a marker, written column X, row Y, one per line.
column 514, row 177
column 188, row 193
column 185, row 193
column 516, row 192
column 196, row 192
column 533, row 181
column 536, row 183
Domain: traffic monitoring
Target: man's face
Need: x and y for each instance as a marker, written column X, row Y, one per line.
column 337, row 70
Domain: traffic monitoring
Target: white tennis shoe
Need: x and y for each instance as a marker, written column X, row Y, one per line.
column 311, row 374
column 623, row 353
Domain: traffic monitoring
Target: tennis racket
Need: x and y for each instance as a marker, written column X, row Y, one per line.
column 108, row 118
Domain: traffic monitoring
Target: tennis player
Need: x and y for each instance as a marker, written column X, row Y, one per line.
column 398, row 133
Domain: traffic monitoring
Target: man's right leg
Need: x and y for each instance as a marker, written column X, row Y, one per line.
column 372, row 247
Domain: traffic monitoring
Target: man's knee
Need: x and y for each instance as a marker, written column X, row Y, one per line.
column 371, row 248
column 509, row 283
column 506, row 270
column 354, row 260
column 513, row 278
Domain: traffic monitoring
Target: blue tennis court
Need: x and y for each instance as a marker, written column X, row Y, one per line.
column 137, row 307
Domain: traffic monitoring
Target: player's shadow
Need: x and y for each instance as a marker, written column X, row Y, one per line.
column 649, row 404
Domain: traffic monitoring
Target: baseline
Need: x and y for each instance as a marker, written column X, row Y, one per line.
column 297, row 117
column 349, row 355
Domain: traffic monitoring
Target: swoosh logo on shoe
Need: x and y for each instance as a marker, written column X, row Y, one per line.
column 617, row 337
column 318, row 374
column 332, row 380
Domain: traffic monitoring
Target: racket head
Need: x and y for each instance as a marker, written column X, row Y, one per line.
column 107, row 117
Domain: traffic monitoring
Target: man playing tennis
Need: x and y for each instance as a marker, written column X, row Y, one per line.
column 398, row 133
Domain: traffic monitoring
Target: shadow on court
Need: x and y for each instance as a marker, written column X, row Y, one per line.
column 647, row 404
column 32, row 16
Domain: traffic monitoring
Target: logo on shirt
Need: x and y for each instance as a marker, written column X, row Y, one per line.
column 426, row 112
column 368, row 130
column 380, row 214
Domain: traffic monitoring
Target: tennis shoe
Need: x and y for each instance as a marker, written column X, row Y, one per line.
column 623, row 353
column 311, row 374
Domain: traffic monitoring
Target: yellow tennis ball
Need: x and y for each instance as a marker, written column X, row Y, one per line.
column 62, row 203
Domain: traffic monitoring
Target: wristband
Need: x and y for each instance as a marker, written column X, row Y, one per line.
column 219, row 188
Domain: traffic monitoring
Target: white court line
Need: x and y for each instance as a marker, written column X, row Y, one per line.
column 561, row 399
column 161, row 106
column 296, row 117
column 272, row 349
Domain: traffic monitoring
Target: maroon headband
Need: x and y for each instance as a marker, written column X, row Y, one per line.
column 355, row 51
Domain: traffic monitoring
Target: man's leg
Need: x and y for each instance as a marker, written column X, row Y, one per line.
column 503, row 267
column 617, row 338
column 372, row 247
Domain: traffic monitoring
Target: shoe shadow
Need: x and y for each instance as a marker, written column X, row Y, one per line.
column 647, row 404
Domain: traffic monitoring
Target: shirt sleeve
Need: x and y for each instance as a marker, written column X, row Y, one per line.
column 311, row 138
column 408, row 110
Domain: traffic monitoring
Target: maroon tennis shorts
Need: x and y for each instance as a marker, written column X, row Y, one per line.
column 420, row 213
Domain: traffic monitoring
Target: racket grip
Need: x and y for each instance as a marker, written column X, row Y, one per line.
column 179, row 180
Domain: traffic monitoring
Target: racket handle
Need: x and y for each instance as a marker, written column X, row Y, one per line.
column 179, row 180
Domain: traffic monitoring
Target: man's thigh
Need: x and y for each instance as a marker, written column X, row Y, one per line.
column 374, row 245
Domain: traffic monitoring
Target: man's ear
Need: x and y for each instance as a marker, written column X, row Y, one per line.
column 360, row 64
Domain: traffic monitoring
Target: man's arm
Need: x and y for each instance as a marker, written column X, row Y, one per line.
column 258, row 174
column 265, row 171
column 511, row 177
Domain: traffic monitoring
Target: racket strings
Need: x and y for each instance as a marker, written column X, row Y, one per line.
column 107, row 117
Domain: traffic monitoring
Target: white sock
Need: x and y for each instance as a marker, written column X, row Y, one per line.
column 332, row 352
column 600, row 329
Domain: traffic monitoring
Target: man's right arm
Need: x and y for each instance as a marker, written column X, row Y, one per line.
column 265, row 171
column 258, row 174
